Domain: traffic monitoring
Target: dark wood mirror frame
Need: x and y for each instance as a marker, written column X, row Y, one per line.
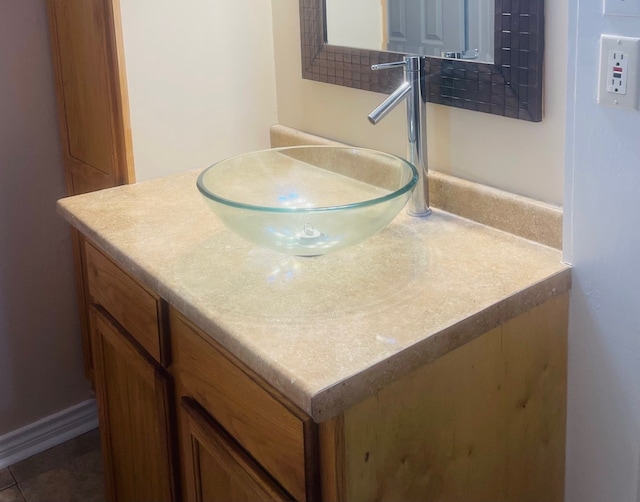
column 511, row 86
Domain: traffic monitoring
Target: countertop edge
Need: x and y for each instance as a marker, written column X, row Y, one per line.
column 329, row 403
column 138, row 271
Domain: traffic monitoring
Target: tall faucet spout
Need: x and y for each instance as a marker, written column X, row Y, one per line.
column 413, row 91
column 390, row 103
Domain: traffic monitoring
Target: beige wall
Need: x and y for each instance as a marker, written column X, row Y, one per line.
column 510, row 154
column 40, row 356
column 201, row 81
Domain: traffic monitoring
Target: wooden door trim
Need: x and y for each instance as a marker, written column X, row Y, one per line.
column 122, row 147
column 121, row 103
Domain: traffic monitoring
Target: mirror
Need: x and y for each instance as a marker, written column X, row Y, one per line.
column 457, row 29
column 511, row 85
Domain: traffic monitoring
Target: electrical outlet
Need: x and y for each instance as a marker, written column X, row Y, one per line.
column 618, row 82
column 621, row 7
column 617, row 70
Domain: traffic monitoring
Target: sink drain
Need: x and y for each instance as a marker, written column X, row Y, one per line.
column 310, row 235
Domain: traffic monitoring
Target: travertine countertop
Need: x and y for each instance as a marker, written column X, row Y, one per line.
column 325, row 331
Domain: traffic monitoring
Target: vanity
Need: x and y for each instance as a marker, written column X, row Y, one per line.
column 427, row 363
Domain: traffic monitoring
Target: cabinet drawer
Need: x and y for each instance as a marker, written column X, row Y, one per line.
column 221, row 471
column 136, row 309
column 282, row 439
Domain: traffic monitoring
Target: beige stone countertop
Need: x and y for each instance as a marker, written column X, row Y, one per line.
column 331, row 330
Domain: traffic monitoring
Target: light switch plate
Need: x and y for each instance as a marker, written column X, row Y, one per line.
column 622, row 7
column 618, row 81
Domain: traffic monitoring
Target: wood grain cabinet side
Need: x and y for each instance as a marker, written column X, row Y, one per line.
column 483, row 423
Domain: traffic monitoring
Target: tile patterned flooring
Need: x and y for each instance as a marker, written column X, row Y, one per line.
column 70, row 472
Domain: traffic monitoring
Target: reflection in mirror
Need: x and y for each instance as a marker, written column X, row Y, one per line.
column 511, row 85
column 459, row 29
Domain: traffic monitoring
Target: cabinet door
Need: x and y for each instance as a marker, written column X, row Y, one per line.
column 92, row 94
column 218, row 470
column 134, row 400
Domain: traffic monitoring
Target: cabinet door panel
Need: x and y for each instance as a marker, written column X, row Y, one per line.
column 220, row 470
column 134, row 399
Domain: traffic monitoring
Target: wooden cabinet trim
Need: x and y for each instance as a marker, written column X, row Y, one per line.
column 311, row 459
column 121, row 109
column 332, row 454
column 82, row 291
column 103, row 414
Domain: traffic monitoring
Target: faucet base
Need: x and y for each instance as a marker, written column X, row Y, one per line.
column 419, row 214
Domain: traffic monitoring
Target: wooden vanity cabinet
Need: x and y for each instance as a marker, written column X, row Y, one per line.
column 483, row 423
column 133, row 389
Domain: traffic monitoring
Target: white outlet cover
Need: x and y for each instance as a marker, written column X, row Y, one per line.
column 622, row 7
column 631, row 48
column 617, row 70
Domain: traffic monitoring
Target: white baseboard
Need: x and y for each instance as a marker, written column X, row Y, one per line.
column 48, row 432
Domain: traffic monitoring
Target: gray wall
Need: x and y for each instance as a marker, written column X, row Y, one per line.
column 602, row 240
column 40, row 359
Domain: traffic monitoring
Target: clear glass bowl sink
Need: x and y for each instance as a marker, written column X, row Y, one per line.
column 308, row 200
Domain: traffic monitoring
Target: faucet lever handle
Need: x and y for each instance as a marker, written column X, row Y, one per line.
column 386, row 66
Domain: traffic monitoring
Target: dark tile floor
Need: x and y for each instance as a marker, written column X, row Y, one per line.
column 70, row 472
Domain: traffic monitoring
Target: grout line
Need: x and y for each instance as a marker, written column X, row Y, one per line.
column 39, row 486
column 13, row 481
column 14, row 487
column 15, row 484
column 24, row 497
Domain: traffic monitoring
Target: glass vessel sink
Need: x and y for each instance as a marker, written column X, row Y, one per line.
column 308, row 200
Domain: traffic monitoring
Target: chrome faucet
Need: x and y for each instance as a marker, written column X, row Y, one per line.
column 414, row 91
